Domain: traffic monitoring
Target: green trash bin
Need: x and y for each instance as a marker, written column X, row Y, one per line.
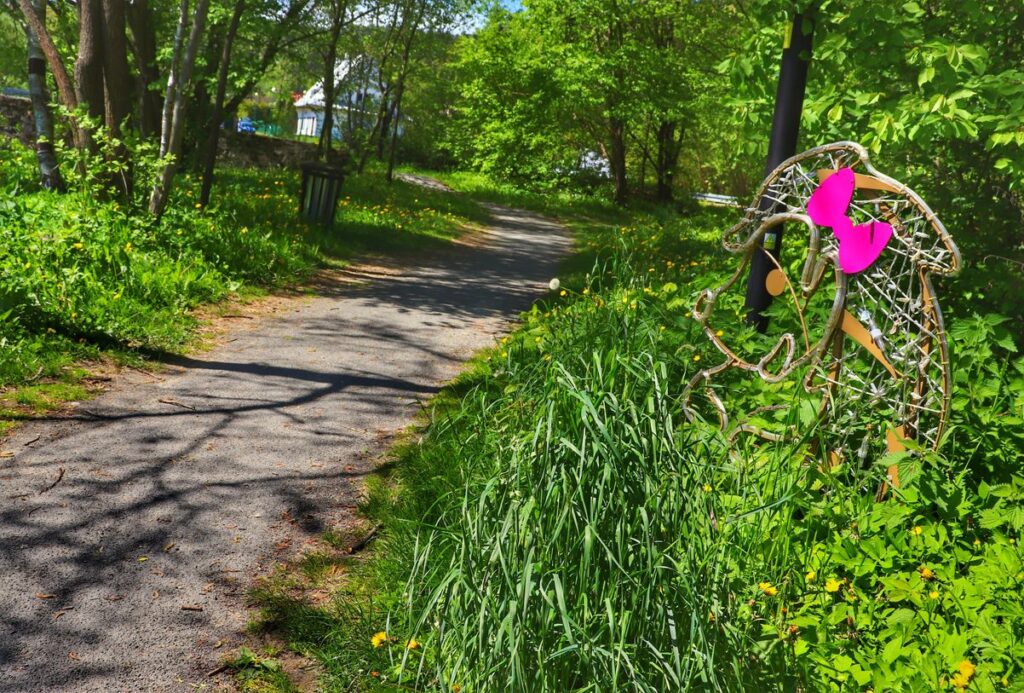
column 321, row 187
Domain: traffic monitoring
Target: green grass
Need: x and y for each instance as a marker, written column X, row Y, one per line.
column 557, row 525
column 87, row 278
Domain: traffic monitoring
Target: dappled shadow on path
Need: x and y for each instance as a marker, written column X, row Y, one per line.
column 172, row 494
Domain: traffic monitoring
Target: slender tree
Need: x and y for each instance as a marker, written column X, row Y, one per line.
column 177, row 90
column 213, row 137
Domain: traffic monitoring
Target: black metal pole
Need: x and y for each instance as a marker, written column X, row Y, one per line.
column 789, row 103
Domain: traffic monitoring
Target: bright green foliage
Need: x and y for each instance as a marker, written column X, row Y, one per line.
column 540, row 87
column 13, row 68
column 934, row 89
column 81, row 272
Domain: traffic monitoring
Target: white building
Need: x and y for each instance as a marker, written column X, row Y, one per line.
column 356, row 101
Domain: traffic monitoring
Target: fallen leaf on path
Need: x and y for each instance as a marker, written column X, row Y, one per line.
column 143, row 559
column 169, row 547
column 40, row 595
column 219, row 644
column 6, row 453
column 191, row 607
column 74, row 655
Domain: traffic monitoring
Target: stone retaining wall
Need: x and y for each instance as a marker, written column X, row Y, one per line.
column 236, row 149
column 16, row 119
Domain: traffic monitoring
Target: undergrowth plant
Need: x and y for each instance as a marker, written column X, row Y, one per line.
column 562, row 527
column 89, row 271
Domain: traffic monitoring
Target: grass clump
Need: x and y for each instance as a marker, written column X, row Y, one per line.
column 560, row 526
column 86, row 276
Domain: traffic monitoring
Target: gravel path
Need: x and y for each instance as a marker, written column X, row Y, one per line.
column 175, row 490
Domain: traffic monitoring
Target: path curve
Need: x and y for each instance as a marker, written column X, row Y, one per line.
column 176, row 488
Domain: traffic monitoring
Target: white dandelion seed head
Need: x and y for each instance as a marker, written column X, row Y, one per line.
column 554, row 284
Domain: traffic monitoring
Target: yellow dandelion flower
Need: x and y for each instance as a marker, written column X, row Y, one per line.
column 916, row 530
column 832, row 585
column 78, row 246
column 379, row 639
column 926, row 572
column 768, row 588
column 128, row 247
column 696, row 357
column 707, row 488
column 934, row 594
column 413, row 644
column 810, row 576
column 719, row 333
column 563, row 292
column 199, row 205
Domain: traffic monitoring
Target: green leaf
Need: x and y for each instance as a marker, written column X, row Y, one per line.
column 913, row 9
column 927, row 75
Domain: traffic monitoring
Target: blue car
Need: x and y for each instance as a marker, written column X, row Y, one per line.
column 247, row 126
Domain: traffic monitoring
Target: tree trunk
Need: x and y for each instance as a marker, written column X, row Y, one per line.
column 118, row 86
column 394, row 133
column 213, row 138
column 89, row 66
column 65, row 88
column 400, row 89
column 617, row 157
column 49, row 173
column 330, row 67
column 668, row 158
column 173, row 76
column 140, row 19
column 162, row 188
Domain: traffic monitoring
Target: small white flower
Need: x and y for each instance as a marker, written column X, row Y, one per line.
column 554, row 284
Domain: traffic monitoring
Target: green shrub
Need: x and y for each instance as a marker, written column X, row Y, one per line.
column 561, row 527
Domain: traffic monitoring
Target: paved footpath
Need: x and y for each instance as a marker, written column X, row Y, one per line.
column 174, row 490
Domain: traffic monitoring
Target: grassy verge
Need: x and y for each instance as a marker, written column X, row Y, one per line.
column 558, row 525
column 90, row 280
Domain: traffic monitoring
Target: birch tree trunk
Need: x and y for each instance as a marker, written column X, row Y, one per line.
column 49, row 172
column 65, row 87
column 175, row 123
column 172, row 79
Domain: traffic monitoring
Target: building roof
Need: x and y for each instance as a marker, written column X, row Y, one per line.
column 344, row 70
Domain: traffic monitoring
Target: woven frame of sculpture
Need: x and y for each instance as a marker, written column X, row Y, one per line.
column 877, row 353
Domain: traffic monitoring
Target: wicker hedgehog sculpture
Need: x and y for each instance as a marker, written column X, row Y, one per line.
column 869, row 338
